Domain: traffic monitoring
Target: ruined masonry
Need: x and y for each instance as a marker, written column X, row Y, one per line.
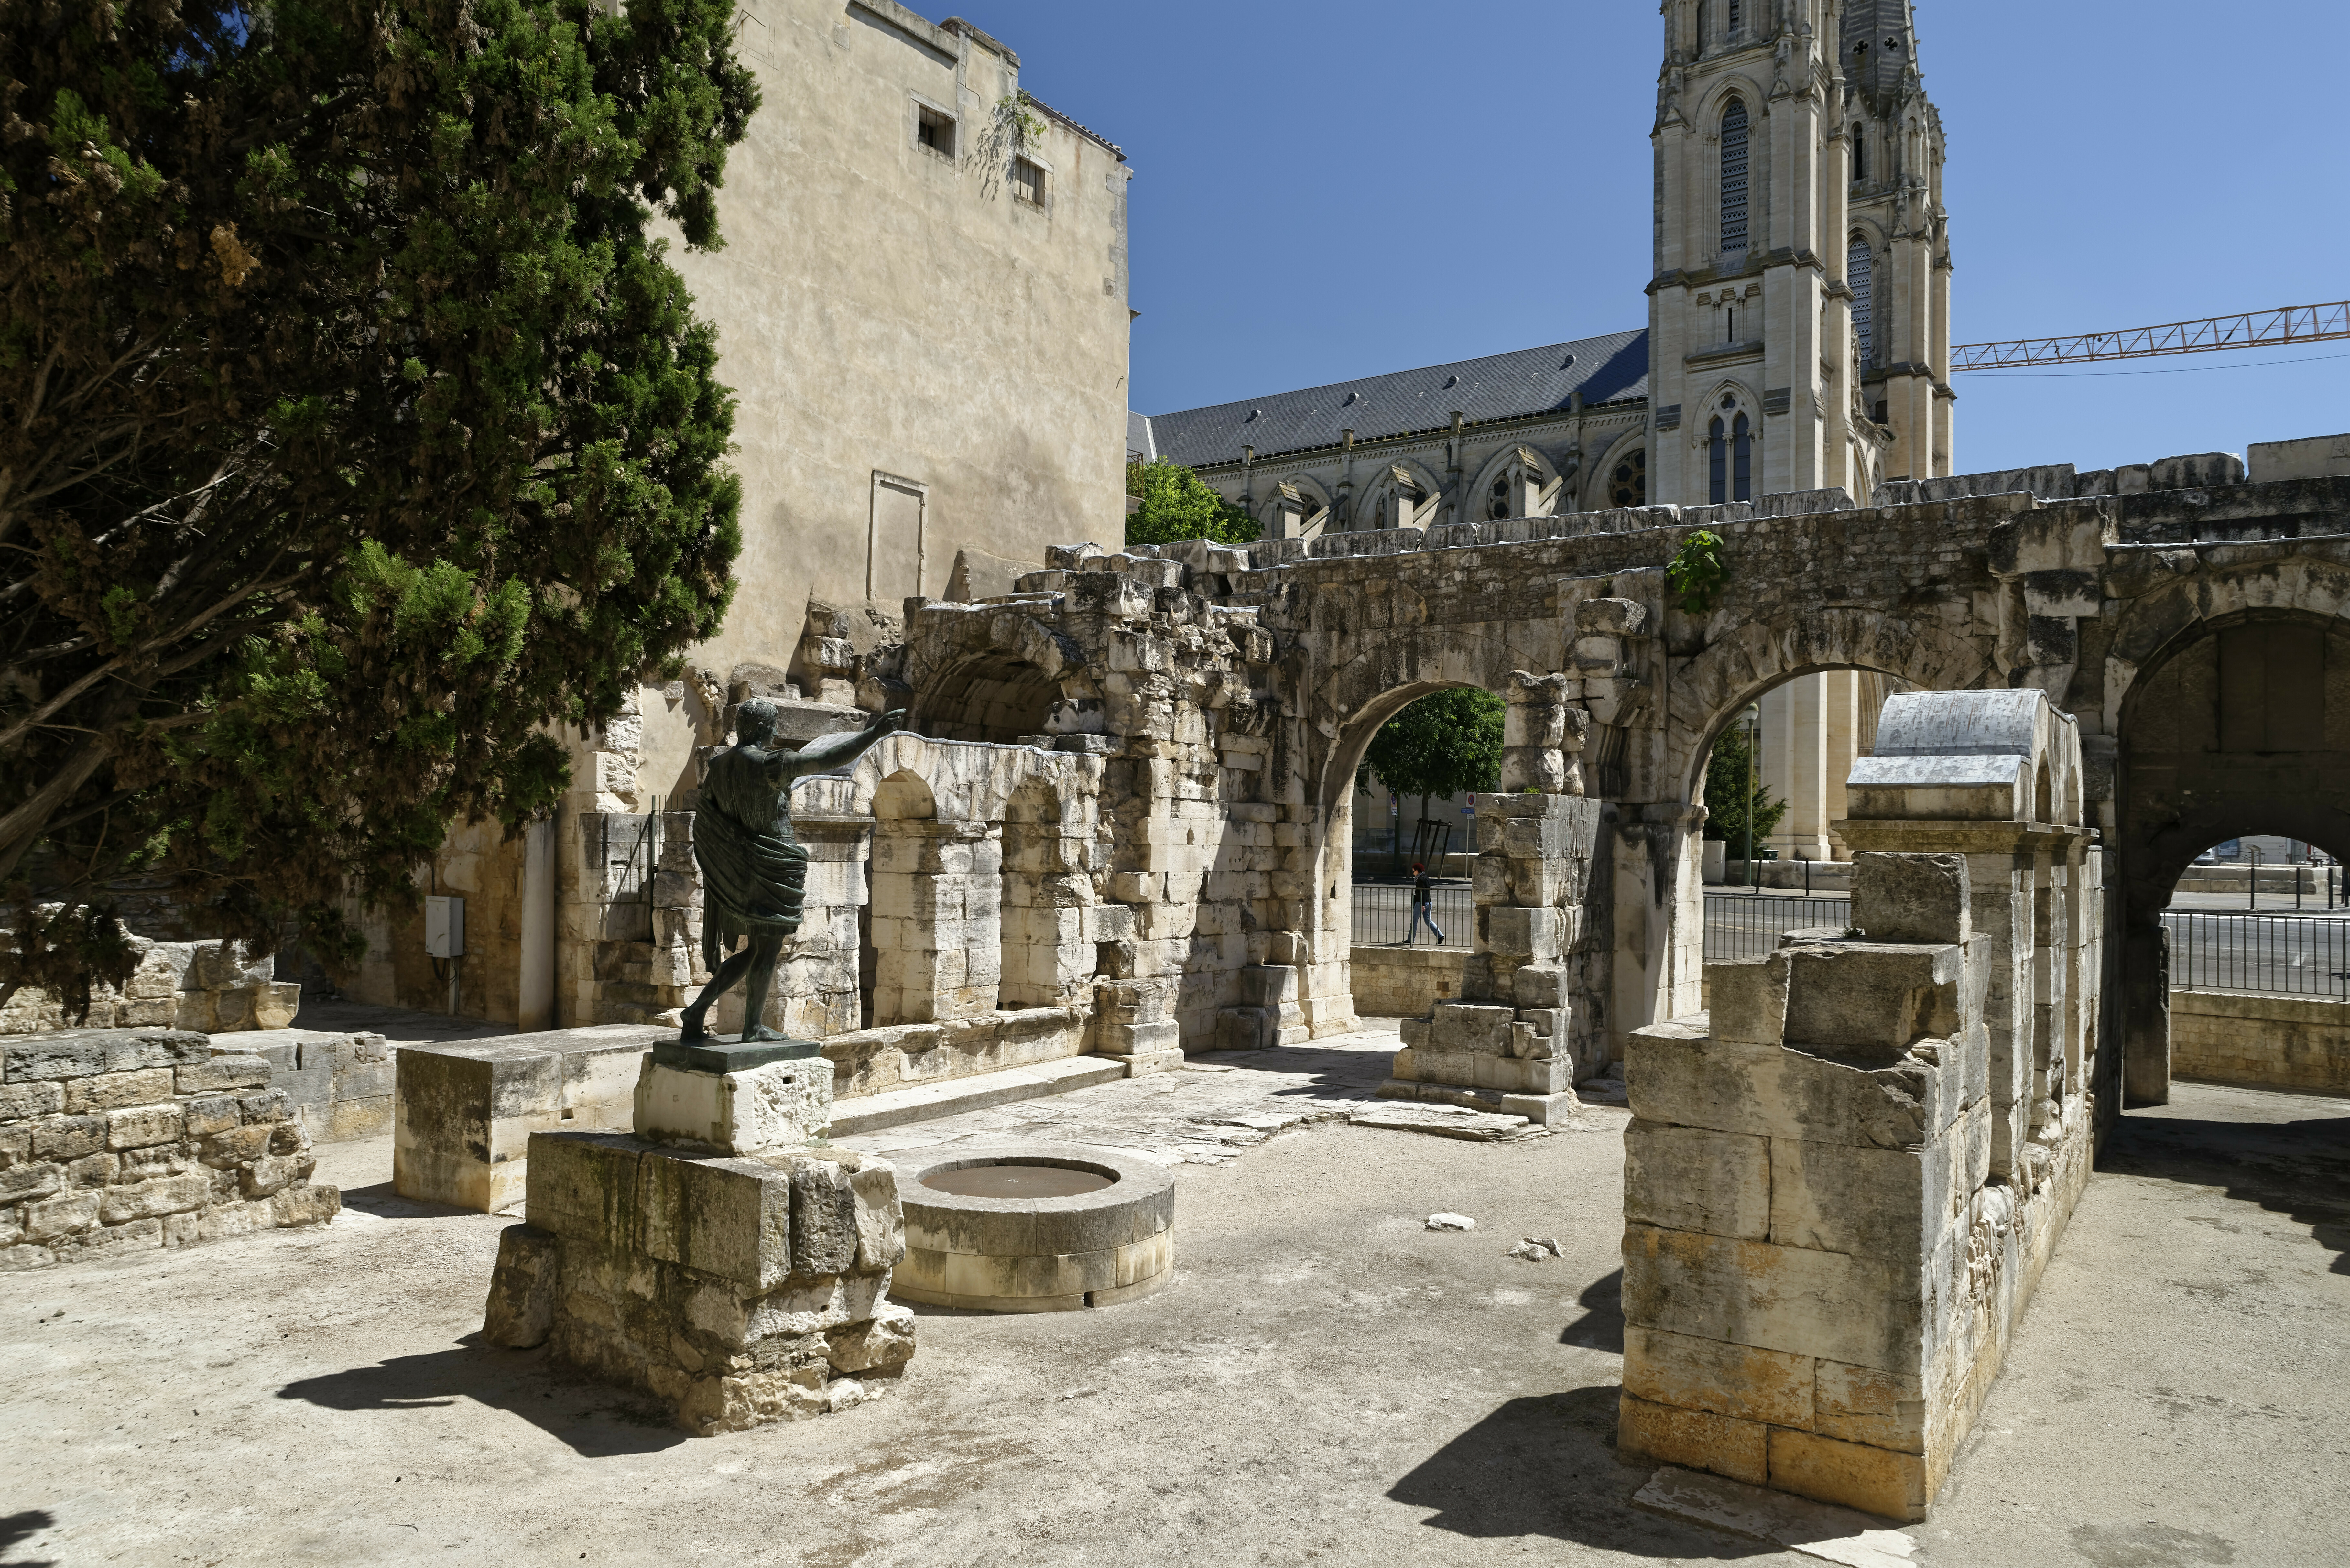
column 1843, row 1179
column 128, row 1138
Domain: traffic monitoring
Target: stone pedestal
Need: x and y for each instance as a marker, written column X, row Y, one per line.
column 738, row 1291
column 723, row 1258
column 743, row 1098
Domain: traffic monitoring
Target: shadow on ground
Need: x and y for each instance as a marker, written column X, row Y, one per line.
column 1355, row 1071
column 2300, row 1169
column 15, row 1529
column 595, row 1420
column 1601, row 1326
column 1547, row 1466
column 380, row 1199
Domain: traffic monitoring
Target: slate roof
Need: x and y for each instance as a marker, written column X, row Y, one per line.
column 1526, row 381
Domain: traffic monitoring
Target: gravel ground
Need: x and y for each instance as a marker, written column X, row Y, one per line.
column 1325, row 1381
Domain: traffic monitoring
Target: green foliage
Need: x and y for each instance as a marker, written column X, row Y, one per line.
column 1177, row 505
column 1729, row 778
column 355, row 431
column 1442, row 745
column 1698, row 573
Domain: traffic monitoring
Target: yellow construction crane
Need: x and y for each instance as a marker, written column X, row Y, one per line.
column 2258, row 329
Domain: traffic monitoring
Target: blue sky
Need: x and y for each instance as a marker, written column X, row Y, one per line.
column 1326, row 190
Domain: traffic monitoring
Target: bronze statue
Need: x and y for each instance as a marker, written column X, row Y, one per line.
column 753, row 870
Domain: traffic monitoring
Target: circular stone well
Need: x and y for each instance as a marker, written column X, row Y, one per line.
column 1038, row 1227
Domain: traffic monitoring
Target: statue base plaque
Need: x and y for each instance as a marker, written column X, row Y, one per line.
column 750, row 1097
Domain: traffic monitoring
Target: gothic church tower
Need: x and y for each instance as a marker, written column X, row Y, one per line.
column 1799, row 319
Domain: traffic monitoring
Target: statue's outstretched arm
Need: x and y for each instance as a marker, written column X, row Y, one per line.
column 827, row 752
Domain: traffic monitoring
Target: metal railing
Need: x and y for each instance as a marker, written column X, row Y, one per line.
column 626, row 852
column 1383, row 914
column 2286, row 954
column 1747, row 925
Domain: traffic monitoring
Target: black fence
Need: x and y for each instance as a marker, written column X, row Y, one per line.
column 1747, row 925
column 1383, row 914
column 2293, row 956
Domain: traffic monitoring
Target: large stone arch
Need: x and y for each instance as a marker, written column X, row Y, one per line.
column 2228, row 692
column 1709, row 690
column 1398, row 668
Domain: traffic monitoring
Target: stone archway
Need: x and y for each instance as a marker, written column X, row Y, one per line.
column 2238, row 723
column 1710, row 690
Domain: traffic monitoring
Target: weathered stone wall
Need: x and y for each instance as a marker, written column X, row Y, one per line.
column 209, row 986
column 2261, row 1039
column 131, row 1139
column 340, row 1085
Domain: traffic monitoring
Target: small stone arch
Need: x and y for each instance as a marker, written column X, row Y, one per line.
column 1045, row 960
column 995, row 700
column 1719, row 683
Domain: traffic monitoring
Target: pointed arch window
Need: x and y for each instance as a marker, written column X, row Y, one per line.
column 1859, row 154
column 1860, row 271
column 1730, row 458
column 1742, row 461
column 1717, row 462
column 1734, row 128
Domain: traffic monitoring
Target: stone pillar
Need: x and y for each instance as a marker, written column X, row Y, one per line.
column 1807, row 1286
column 2146, row 969
column 1532, row 1016
column 1542, row 734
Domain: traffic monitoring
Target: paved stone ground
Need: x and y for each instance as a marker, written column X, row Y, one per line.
column 1325, row 1381
column 1219, row 1105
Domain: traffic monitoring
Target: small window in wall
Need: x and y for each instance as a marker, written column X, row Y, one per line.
column 1717, row 464
column 1742, row 464
column 934, row 130
column 1859, row 153
column 1028, row 181
column 1734, row 14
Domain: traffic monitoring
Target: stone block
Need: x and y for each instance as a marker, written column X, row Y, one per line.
column 824, row 1230
column 1460, row 1027
column 143, row 1125
column 1695, row 1439
column 21, row 1182
column 1889, row 1203
column 1526, row 935
column 1675, row 1074
column 880, row 1219
column 116, row 1090
column 272, row 1173
column 1875, row 1480
column 20, row 1102
column 1746, row 1000
column 1863, row 1405
column 1737, row 1380
column 879, row 1347
column 582, row 1187
column 1865, row 1312
column 1911, row 897
column 69, row 1137
column 54, row 1219
column 781, row 1105
column 87, row 1053
column 227, row 1072
column 306, row 1203
column 521, row 1308
column 1869, row 1000
column 1688, row 1178
column 152, row 1200
column 716, row 1215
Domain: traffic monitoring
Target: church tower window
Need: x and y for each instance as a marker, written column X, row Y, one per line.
column 1730, row 458
column 1742, row 469
column 1860, row 271
column 1736, row 9
column 1717, row 462
column 1859, row 154
column 1733, row 177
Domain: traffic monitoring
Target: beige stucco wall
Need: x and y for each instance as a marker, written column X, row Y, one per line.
column 884, row 308
column 2276, row 1042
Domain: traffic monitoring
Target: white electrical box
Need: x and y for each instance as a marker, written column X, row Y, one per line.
column 444, row 926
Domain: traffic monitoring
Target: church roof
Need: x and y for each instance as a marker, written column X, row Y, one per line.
column 1499, row 386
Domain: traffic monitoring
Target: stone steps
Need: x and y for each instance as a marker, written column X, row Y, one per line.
column 928, row 1102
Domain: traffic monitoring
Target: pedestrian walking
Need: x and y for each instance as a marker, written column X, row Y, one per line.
column 1423, row 906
